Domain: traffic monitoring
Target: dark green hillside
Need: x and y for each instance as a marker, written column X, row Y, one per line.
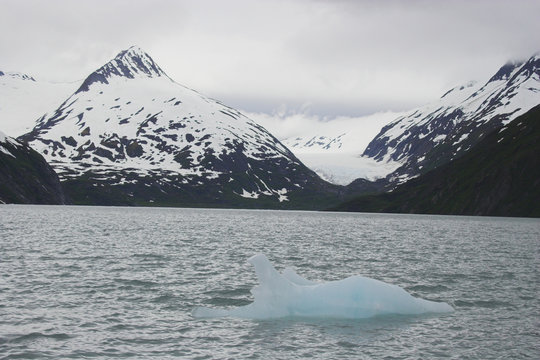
column 500, row 176
column 26, row 178
column 172, row 190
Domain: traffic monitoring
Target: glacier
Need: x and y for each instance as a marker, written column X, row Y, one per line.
column 290, row 295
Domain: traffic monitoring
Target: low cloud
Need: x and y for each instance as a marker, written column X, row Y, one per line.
column 342, row 57
column 287, row 124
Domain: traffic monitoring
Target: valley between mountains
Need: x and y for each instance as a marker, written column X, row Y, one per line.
column 128, row 134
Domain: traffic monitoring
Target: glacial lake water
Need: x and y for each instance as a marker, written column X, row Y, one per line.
column 105, row 282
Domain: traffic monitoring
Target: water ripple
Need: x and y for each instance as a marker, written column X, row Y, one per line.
column 121, row 282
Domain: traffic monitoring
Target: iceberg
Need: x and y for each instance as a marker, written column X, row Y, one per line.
column 290, row 295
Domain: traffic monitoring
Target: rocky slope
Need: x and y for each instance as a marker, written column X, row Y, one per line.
column 25, row 177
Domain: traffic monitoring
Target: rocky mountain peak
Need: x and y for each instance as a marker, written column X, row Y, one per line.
column 532, row 66
column 518, row 69
column 135, row 62
column 505, row 72
column 131, row 63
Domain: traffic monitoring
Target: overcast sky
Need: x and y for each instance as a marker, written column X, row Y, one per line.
column 323, row 58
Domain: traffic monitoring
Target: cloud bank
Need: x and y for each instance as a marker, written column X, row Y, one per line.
column 344, row 58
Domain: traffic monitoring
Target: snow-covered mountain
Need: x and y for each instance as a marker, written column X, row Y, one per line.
column 131, row 135
column 25, row 177
column 131, row 132
column 23, row 100
column 437, row 133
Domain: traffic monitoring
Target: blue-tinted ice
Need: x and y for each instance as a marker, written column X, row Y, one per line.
column 290, row 295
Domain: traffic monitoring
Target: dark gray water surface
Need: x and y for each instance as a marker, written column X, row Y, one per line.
column 94, row 282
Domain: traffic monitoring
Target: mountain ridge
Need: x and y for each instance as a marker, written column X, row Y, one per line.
column 444, row 130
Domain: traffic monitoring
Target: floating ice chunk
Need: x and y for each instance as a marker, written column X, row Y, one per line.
column 290, row 295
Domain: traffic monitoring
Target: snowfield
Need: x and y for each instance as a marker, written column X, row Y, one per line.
column 23, row 100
